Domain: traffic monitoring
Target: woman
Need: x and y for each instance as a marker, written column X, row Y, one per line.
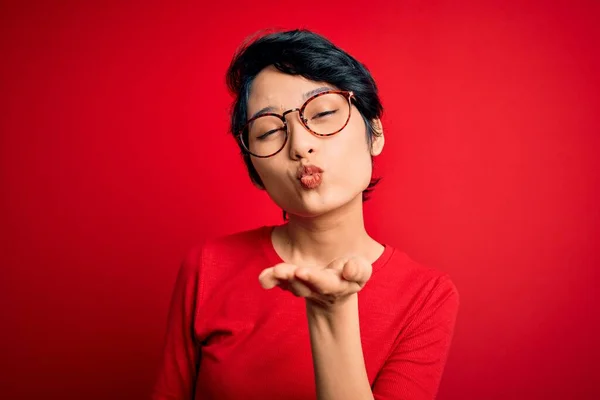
column 355, row 319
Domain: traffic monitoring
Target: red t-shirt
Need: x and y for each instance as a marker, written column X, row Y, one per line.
column 228, row 338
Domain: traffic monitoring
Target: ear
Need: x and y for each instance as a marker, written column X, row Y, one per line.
column 378, row 139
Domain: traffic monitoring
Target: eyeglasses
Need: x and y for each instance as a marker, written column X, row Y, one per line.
column 323, row 114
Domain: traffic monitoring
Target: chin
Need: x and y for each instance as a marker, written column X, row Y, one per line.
column 314, row 204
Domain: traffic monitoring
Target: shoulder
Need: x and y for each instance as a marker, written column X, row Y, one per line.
column 439, row 295
column 429, row 273
column 220, row 249
column 237, row 243
column 429, row 294
column 418, row 278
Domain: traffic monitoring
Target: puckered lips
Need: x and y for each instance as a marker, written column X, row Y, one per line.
column 310, row 176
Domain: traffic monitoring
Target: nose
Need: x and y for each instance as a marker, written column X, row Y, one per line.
column 300, row 141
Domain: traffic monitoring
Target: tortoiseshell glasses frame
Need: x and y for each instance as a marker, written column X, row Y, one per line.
column 349, row 95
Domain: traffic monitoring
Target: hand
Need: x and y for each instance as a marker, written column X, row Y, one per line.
column 327, row 286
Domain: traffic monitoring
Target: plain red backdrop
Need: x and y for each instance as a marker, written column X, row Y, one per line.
column 115, row 159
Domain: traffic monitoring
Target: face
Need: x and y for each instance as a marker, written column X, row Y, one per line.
column 344, row 158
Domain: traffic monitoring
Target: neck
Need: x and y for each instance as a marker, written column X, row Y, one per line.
column 319, row 240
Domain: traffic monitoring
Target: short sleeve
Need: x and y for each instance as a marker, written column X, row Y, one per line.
column 414, row 368
column 181, row 356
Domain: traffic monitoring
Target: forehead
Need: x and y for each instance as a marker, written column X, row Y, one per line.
column 273, row 88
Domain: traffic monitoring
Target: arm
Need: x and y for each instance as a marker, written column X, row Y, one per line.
column 337, row 352
column 332, row 313
column 412, row 371
column 181, row 356
column 414, row 367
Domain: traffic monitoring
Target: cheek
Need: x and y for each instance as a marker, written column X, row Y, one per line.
column 353, row 157
column 268, row 169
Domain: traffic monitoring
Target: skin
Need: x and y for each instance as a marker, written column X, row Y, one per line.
column 327, row 251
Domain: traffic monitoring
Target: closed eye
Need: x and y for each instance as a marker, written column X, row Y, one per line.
column 264, row 135
column 324, row 114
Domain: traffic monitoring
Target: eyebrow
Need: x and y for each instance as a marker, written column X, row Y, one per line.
column 305, row 97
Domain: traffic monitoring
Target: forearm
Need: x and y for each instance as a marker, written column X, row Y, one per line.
column 339, row 365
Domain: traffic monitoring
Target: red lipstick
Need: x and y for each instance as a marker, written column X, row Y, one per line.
column 310, row 176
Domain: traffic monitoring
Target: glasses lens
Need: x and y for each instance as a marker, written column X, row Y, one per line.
column 264, row 136
column 327, row 114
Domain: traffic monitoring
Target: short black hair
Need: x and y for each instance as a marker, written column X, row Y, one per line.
column 308, row 54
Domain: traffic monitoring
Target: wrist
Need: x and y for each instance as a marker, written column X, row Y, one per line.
column 342, row 312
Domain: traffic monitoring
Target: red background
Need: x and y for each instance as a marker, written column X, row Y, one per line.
column 115, row 159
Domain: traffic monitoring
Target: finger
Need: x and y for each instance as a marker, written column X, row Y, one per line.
column 337, row 264
column 298, row 288
column 266, row 279
column 284, row 271
column 357, row 270
column 271, row 277
column 322, row 281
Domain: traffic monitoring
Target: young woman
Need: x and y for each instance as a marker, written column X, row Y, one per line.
column 315, row 307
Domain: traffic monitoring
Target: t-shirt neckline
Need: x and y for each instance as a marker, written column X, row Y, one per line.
column 274, row 258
